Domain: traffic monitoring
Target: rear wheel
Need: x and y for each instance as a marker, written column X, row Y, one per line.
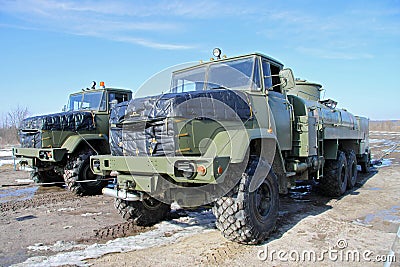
column 142, row 213
column 334, row 182
column 78, row 169
column 249, row 217
column 352, row 169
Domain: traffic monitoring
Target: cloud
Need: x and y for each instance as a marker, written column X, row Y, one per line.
column 148, row 43
column 119, row 21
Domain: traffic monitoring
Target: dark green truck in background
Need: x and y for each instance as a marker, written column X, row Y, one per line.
column 58, row 146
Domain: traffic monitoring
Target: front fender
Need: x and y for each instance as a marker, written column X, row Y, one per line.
column 235, row 143
column 74, row 141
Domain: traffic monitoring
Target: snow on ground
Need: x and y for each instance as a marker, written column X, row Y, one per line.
column 385, row 163
column 6, row 153
column 165, row 233
column 373, row 140
column 22, row 194
column 383, row 133
column 382, row 142
column 6, row 161
column 6, row 157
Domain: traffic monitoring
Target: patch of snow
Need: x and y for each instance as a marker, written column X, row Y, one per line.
column 59, row 246
column 23, row 194
column 25, row 168
column 373, row 141
column 8, row 161
column 6, row 153
column 23, row 181
column 175, row 206
column 194, row 223
column 91, row 214
column 385, row 163
column 361, row 223
column 384, row 133
column 66, row 209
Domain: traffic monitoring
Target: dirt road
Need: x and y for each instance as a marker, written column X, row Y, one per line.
column 50, row 226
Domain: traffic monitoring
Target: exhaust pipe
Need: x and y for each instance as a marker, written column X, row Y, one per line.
column 122, row 194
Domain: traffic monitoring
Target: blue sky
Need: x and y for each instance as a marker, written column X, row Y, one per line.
column 49, row 49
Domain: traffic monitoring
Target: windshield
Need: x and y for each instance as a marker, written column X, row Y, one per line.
column 237, row 74
column 87, row 101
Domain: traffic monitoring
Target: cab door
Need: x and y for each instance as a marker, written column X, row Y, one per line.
column 282, row 114
column 279, row 106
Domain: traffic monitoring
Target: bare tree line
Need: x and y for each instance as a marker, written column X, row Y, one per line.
column 387, row 125
column 9, row 124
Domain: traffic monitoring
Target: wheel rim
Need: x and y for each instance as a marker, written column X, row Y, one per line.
column 263, row 202
column 151, row 203
column 89, row 175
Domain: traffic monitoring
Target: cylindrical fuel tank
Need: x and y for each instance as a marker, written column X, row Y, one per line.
column 337, row 117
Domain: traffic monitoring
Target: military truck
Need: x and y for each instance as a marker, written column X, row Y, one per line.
column 234, row 132
column 58, row 146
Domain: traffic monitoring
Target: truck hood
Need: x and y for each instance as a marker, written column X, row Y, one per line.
column 216, row 104
column 64, row 121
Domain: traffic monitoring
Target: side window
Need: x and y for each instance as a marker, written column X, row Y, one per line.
column 275, row 78
column 271, row 76
column 117, row 96
column 267, row 74
column 256, row 77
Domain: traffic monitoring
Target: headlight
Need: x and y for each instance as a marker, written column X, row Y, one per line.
column 186, row 169
column 96, row 164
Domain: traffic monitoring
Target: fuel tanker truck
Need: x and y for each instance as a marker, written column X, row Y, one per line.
column 235, row 133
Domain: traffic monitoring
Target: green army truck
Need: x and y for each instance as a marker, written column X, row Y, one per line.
column 58, row 146
column 234, row 132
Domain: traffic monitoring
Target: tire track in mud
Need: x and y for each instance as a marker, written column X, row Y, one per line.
column 124, row 229
column 38, row 200
column 218, row 256
column 57, row 197
column 115, row 231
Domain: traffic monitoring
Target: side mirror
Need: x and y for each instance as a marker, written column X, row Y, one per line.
column 64, row 108
column 287, row 79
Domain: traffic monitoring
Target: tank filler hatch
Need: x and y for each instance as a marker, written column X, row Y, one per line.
column 307, row 90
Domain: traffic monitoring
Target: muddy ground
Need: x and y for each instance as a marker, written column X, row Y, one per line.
column 46, row 226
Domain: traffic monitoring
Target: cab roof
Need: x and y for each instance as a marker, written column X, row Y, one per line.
column 108, row 89
column 270, row 59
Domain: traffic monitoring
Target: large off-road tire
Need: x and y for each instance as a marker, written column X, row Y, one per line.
column 48, row 176
column 334, row 182
column 78, row 169
column 142, row 213
column 351, row 168
column 249, row 217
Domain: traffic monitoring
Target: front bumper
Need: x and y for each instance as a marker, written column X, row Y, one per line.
column 145, row 173
column 43, row 154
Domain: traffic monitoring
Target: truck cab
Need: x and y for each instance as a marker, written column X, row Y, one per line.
column 50, row 142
